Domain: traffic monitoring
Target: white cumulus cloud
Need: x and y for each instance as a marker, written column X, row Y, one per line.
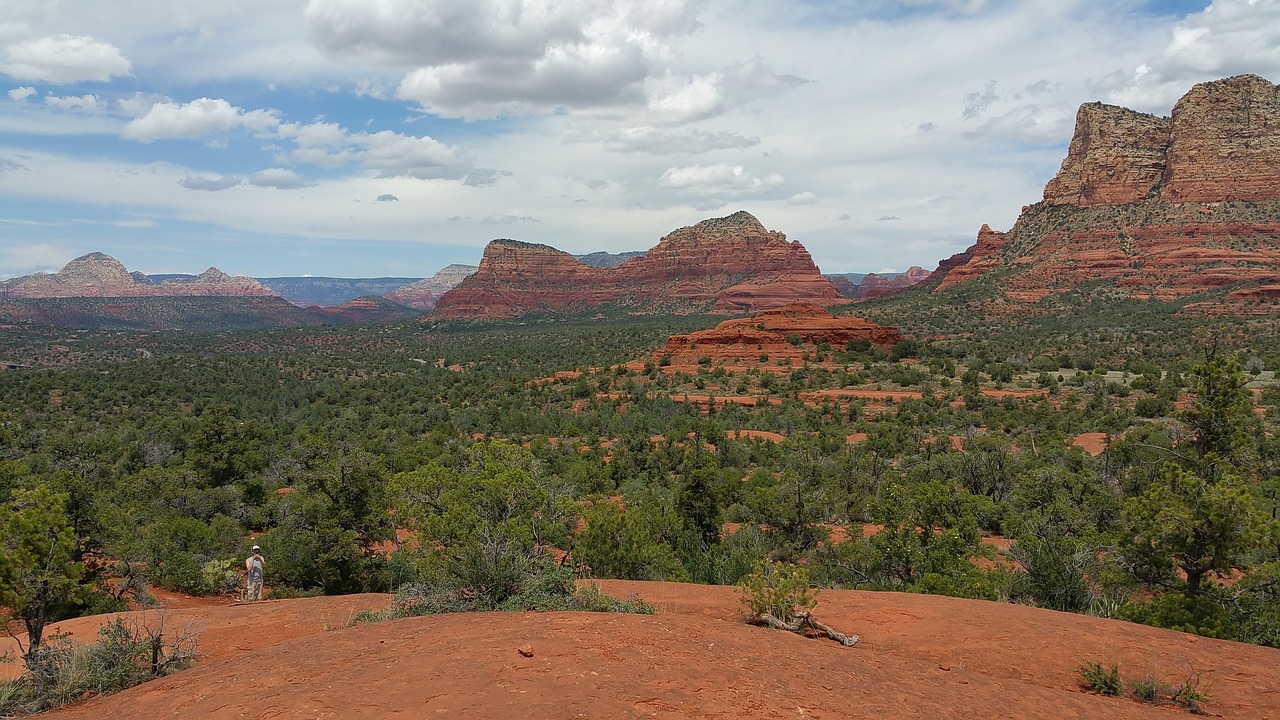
column 718, row 178
column 81, row 103
column 167, row 120
column 65, row 59
column 278, row 178
column 483, row 58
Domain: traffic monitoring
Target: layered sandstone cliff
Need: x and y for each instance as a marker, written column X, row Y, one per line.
column 790, row 331
column 1158, row 208
column 422, row 295
column 97, row 275
column 876, row 286
column 724, row 265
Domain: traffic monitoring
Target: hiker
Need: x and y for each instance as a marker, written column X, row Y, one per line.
column 254, row 566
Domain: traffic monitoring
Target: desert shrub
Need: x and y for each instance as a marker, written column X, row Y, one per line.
column 1104, row 681
column 778, row 589
column 629, row 543
column 126, row 654
column 1191, row 692
column 14, row 695
column 1153, row 407
column 1254, row 606
column 1149, row 689
column 219, row 576
column 547, row 587
column 484, row 522
column 592, row 599
column 727, row 562
column 1055, row 571
column 288, row 592
column 1199, row 614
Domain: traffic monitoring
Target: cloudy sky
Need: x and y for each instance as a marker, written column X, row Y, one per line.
column 364, row 138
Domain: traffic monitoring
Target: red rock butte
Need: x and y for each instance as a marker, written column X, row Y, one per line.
column 788, row 331
column 725, row 265
column 1160, row 208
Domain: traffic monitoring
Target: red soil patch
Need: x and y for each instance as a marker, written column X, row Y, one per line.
column 1093, row 443
column 228, row 629
column 920, row 656
column 856, row 438
column 1020, row 394
column 834, row 393
column 721, row 400
column 761, row 434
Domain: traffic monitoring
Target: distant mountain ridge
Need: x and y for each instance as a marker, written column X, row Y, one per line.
column 332, row 291
column 857, row 286
column 96, row 291
column 723, row 265
column 100, row 275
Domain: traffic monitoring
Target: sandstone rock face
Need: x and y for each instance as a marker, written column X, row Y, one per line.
column 785, row 332
column 725, row 265
column 422, row 295
column 1226, row 143
column 1151, row 217
column 875, row 286
column 1116, row 156
column 97, row 275
column 982, row 256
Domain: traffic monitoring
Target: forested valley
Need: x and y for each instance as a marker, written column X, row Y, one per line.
column 372, row 458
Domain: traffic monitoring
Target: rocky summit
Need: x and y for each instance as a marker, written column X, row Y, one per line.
column 1159, row 208
column 723, row 265
column 97, row 275
column 423, row 294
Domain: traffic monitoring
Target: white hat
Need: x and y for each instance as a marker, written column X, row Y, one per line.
column 256, row 548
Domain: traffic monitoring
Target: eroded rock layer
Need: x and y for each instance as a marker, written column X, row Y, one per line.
column 1150, row 207
column 422, row 295
column 725, row 265
column 784, row 332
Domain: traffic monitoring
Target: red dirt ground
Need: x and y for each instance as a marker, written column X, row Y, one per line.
column 920, row 656
column 1093, row 443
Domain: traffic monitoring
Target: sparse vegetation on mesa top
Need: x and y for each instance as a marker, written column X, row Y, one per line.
column 170, row 450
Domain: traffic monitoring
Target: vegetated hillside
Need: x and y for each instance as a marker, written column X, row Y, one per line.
column 919, row 656
column 726, row 265
column 368, row 309
column 1149, row 208
column 194, row 314
column 331, row 292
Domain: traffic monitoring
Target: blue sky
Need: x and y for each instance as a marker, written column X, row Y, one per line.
column 358, row 138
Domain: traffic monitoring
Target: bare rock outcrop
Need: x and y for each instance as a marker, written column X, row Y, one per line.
column 1116, row 156
column 785, row 332
column 724, row 265
column 422, row 295
column 1158, row 208
column 1226, row 143
column 877, row 286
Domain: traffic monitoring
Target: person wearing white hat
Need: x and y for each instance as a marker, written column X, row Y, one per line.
column 254, row 567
